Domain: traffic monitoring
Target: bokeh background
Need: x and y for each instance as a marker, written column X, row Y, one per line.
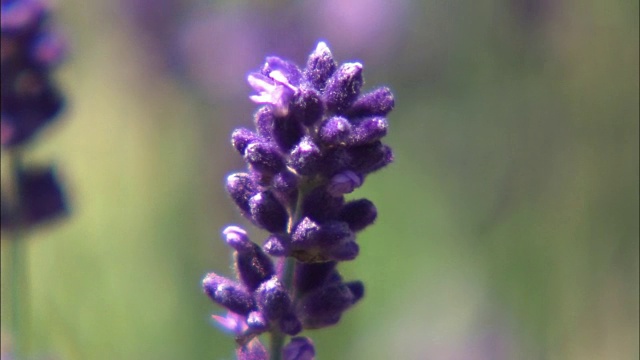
column 508, row 225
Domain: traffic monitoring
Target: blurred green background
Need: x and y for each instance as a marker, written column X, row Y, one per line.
column 508, row 225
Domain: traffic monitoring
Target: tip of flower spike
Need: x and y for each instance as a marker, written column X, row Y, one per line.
column 322, row 49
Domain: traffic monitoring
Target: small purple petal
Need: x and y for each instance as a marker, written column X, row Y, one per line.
column 232, row 322
column 299, row 348
column 344, row 183
column 277, row 245
column 237, row 238
column 257, row 322
column 254, row 350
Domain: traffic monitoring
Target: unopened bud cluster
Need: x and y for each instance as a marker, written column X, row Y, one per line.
column 29, row 101
column 316, row 139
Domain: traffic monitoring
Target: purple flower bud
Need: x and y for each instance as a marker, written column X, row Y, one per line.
column 41, row 198
column 237, row 238
column 49, row 49
column 290, row 324
column 343, row 87
column 304, row 157
column 310, row 276
column 334, row 131
column 267, row 212
column 287, row 133
column 307, row 108
column 273, row 299
column 241, row 188
column 253, row 266
column 358, row 214
column 254, row 350
column 264, row 157
column 309, row 233
column 320, row 66
column 264, row 120
column 320, row 205
column 379, row 102
column 344, row 183
column 228, row 293
column 299, row 348
column 357, row 289
column 257, row 322
column 21, row 15
column 286, row 183
column 346, row 251
column 241, row 138
column 368, row 130
column 324, row 306
column 277, row 245
column 370, row 157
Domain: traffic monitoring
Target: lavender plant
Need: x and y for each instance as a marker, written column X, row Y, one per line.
column 29, row 101
column 316, row 139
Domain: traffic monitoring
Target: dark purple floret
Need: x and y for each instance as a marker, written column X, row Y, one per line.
column 320, row 66
column 307, row 108
column 290, row 324
column 343, row 87
column 241, row 188
column 310, row 276
column 241, row 138
column 273, row 299
column 368, row 158
column 320, row 205
column 324, row 306
column 253, row 266
column 277, row 245
column 368, row 130
column 228, row 293
column 379, row 102
column 358, row 214
column 267, row 212
column 41, row 197
column 264, row 120
column 299, row 348
column 30, row 50
column 305, row 157
column 335, row 131
column 264, row 157
column 357, row 289
column 287, row 133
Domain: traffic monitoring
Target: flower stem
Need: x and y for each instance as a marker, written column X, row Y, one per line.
column 18, row 276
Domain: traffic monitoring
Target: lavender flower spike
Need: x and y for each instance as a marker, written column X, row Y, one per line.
column 316, row 139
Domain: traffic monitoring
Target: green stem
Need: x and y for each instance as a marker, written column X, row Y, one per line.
column 277, row 337
column 18, row 276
